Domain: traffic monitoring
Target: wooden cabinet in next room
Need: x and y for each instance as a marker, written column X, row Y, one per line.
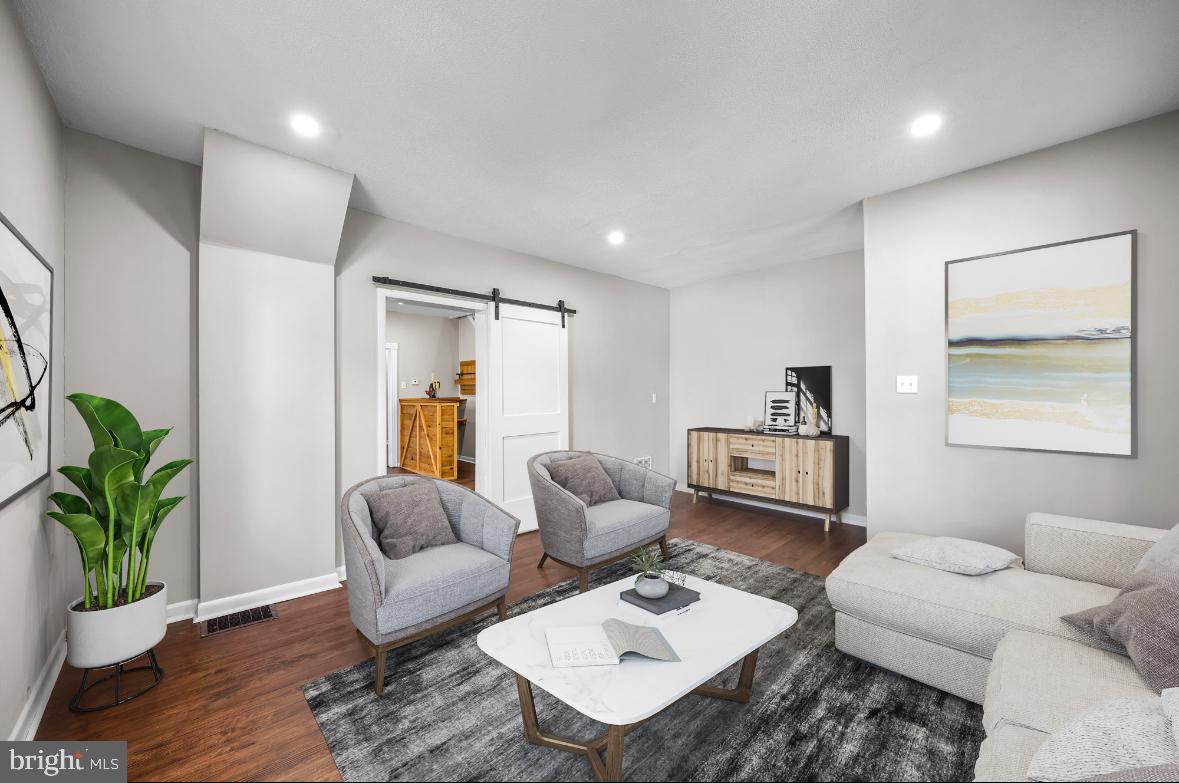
column 792, row 470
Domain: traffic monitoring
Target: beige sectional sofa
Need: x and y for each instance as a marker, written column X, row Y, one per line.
column 997, row 639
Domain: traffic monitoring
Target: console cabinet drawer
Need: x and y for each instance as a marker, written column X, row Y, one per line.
column 752, row 446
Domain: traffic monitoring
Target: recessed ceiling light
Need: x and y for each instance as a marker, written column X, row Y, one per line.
column 616, row 238
column 926, row 125
column 305, row 125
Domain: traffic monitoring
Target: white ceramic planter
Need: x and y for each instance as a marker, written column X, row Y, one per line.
column 650, row 588
column 108, row 636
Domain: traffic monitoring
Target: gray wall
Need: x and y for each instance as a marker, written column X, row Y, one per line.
column 425, row 344
column 618, row 342
column 1121, row 179
column 733, row 338
column 266, row 353
column 131, row 237
column 39, row 567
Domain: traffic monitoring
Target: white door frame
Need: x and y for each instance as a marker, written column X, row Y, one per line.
column 393, row 452
column 481, row 311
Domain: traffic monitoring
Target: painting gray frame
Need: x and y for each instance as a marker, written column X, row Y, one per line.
column 49, row 375
column 1133, row 234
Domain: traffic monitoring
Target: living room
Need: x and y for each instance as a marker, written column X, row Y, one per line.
column 821, row 356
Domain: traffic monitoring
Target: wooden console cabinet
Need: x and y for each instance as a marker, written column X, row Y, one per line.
column 429, row 436
column 792, row 470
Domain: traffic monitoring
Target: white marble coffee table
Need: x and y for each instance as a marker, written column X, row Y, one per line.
column 725, row 626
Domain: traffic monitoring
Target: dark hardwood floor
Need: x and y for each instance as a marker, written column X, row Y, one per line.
column 231, row 705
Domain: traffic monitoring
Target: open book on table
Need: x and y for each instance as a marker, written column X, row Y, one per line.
column 605, row 644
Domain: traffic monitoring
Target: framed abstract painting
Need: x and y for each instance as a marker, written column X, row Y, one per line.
column 26, row 324
column 1040, row 348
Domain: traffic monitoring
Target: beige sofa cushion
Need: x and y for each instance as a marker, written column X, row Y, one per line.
column 1006, row 753
column 1038, row 684
column 968, row 613
column 1043, row 682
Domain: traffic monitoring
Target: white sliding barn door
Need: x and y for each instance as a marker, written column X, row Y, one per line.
column 527, row 408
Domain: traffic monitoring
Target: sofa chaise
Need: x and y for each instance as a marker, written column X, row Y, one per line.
column 997, row 639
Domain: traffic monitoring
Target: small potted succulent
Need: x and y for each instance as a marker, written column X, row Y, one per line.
column 120, row 614
column 649, row 565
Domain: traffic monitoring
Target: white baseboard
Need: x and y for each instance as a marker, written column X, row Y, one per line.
column 466, row 459
column 30, row 715
column 267, row 595
column 341, row 573
column 182, row 610
column 851, row 519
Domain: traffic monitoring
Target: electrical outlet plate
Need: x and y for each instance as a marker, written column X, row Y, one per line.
column 906, row 384
column 644, row 462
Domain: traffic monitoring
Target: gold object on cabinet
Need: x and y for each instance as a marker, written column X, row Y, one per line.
column 429, row 436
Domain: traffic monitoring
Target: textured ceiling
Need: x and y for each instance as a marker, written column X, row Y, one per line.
column 721, row 136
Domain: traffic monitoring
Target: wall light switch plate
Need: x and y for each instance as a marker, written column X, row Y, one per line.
column 906, row 384
column 653, row 398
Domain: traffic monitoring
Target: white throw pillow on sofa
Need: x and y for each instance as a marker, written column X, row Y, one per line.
column 956, row 555
column 1120, row 735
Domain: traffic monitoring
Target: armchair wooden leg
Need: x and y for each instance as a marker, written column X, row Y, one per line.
column 663, row 547
column 379, row 680
column 544, row 556
column 501, row 607
column 582, row 580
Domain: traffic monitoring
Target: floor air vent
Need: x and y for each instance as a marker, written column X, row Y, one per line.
column 240, row 619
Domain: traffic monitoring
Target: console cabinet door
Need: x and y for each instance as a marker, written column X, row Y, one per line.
column 823, row 473
column 702, row 458
column 807, row 470
column 708, row 459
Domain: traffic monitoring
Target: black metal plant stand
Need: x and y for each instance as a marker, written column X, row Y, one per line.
column 120, row 669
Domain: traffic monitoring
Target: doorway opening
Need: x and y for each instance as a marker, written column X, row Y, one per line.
column 430, row 402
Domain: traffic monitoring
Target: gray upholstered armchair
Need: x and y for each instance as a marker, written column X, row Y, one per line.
column 395, row 602
column 585, row 537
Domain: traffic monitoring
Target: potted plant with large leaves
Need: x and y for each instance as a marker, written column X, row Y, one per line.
column 120, row 614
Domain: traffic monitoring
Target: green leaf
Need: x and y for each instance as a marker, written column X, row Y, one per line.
column 80, row 478
column 88, row 532
column 151, row 441
column 98, row 432
column 71, row 504
column 136, row 504
column 163, row 508
column 117, row 420
column 166, row 473
column 109, row 467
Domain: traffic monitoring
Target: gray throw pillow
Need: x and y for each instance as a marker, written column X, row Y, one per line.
column 584, row 477
column 410, row 519
column 1166, row 549
column 1144, row 621
column 956, row 555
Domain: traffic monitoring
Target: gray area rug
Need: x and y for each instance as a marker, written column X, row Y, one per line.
column 450, row 713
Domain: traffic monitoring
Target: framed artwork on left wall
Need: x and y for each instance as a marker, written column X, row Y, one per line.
column 26, row 338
